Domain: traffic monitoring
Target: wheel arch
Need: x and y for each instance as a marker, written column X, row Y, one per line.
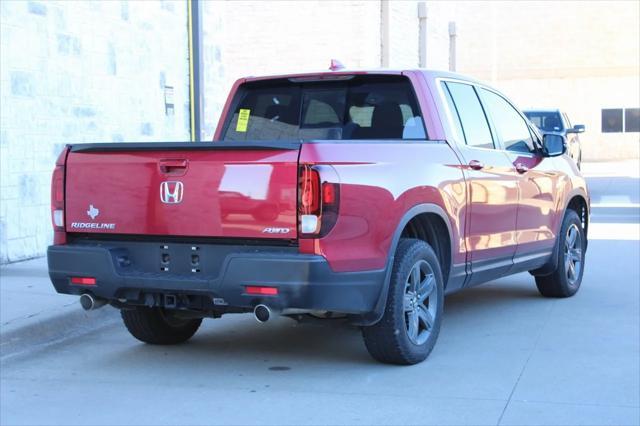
column 576, row 201
column 427, row 215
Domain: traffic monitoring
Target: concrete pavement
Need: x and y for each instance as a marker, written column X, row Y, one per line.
column 33, row 314
column 505, row 356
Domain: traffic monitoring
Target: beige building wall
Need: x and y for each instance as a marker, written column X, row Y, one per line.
column 577, row 56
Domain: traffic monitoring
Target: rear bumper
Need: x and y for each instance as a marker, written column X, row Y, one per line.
column 213, row 277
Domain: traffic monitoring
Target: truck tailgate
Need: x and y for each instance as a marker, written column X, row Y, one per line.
column 176, row 190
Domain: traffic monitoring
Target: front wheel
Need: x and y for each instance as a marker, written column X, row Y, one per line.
column 159, row 326
column 565, row 280
column 410, row 325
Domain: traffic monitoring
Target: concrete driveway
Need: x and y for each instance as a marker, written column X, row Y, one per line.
column 505, row 356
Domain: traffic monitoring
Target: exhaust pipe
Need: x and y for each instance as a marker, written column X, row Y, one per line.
column 262, row 313
column 90, row 303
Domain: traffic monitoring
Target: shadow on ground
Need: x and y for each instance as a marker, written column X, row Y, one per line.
column 318, row 341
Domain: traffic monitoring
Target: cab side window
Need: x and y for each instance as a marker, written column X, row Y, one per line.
column 469, row 110
column 457, row 126
column 511, row 128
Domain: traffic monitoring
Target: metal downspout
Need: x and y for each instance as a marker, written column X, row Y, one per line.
column 194, row 28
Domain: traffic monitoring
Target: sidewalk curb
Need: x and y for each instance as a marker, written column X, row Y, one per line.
column 49, row 329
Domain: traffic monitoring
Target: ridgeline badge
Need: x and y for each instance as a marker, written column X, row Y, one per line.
column 93, row 212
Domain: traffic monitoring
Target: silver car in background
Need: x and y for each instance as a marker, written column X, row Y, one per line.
column 557, row 122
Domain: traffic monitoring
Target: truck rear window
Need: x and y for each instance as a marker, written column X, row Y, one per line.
column 356, row 107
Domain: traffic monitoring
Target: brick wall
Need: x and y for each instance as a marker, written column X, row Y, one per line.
column 403, row 34
column 439, row 14
column 80, row 72
column 271, row 37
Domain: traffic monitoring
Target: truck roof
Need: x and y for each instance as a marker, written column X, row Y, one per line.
column 393, row 71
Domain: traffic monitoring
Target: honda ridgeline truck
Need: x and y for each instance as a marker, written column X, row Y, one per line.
column 369, row 194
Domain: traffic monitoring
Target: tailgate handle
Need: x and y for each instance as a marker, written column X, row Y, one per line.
column 173, row 167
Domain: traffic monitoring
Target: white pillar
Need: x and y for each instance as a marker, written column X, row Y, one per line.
column 422, row 41
column 384, row 33
column 452, row 46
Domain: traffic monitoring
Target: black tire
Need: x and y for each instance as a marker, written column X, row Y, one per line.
column 158, row 326
column 561, row 282
column 389, row 340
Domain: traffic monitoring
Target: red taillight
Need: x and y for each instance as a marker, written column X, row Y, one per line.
column 328, row 193
column 83, row 280
column 318, row 202
column 310, row 191
column 57, row 187
column 263, row 291
column 57, row 198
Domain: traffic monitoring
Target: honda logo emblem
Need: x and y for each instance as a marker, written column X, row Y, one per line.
column 171, row 192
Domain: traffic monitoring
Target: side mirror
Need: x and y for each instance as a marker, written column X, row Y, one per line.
column 553, row 145
column 578, row 128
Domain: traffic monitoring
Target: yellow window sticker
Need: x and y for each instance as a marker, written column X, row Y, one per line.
column 243, row 120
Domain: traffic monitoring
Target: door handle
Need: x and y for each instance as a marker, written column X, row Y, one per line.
column 173, row 167
column 521, row 168
column 476, row 165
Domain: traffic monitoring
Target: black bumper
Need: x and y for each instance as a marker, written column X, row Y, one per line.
column 210, row 276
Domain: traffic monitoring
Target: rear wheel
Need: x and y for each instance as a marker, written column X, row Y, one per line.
column 410, row 325
column 567, row 277
column 159, row 326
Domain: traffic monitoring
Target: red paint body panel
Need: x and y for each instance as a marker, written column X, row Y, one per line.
column 379, row 182
column 493, row 205
column 538, row 208
column 226, row 193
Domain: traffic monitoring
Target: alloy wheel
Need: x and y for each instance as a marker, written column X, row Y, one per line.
column 420, row 302
column 573, row 254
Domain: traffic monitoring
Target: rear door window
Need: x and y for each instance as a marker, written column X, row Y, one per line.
column 471, row 115
column 360, row 107
column 457, row 125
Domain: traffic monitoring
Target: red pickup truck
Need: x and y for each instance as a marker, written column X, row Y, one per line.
column 365, row 194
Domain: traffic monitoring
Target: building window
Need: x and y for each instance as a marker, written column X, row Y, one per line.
column 632, row 120
column 612, row 120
